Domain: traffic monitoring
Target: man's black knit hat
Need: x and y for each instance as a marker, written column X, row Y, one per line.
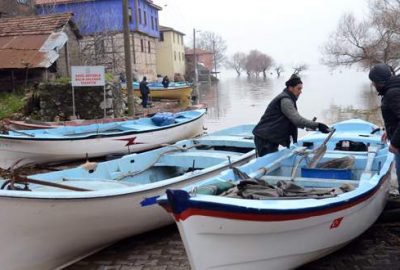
column 293, row 81
column 380, row 73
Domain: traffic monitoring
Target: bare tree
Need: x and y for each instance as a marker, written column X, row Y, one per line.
column 265, row 63
column 297, row 69
column 278, row 69
column 252, row 66
column 367, row 42
column 237, row 62
column 257, row 62
column 211, row 42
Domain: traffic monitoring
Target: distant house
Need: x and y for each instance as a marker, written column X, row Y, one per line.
column 170, row 53
column 34, row 48
column 12, row 8
column 101, row 24
column 204, row 57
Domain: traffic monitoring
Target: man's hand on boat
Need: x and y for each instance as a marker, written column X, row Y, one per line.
column 323, row 128
column 394, row 150
column 384, row 137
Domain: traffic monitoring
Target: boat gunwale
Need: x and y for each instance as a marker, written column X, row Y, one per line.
column 100, row 134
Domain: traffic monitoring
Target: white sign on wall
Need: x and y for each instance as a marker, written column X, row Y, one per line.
column 87, row 76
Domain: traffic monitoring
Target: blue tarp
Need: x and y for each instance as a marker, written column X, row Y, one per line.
column 163, row 119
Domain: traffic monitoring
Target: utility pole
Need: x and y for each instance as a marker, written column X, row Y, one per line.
column 215, row 60
column 196, row 73
column 128, row 62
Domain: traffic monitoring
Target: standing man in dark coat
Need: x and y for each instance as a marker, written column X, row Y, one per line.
column 144, row 91
column 278, row 125
column 388, row 86
column 165, row 82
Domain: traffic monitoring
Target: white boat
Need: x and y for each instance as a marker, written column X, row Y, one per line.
column 222, row 231
column 50, row 226
column 18, row 148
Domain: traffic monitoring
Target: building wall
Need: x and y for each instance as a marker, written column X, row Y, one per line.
column 171, row 54
column 148, row 19
column 207, row 60
column 144, row 60
column 102, row 16
column 110, row 53
column 12, row 8
column 64, row 68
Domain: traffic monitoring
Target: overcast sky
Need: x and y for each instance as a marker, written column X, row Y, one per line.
column 291, row 31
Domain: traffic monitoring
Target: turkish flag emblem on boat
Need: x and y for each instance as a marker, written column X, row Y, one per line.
column 336, row 223
column 129, row 141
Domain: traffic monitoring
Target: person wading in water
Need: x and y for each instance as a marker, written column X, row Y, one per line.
column 279, row 123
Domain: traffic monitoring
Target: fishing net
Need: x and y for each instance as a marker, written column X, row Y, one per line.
column 346, row 162
column 257, row 189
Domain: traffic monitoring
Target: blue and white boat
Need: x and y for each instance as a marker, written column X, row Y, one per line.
column 281, row 214
column 53, row 219
column 18, row 148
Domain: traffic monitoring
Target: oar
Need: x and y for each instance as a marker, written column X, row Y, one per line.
column 320, row 151
column 264, row 170
column 20, row 179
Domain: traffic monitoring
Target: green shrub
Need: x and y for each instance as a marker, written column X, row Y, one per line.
column 63, row 80
column 109, row 77
column 10, row 104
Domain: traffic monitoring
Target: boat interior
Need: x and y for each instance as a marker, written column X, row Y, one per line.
column 340, row 169
column 184, row 158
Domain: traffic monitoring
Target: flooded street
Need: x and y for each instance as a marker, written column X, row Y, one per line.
column 233, row 101
column 330, row 97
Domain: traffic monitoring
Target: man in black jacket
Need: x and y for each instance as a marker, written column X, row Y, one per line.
column 278, row 125
column 388, row 86
column 144, row 91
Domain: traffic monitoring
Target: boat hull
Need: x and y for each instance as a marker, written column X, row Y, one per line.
column 279, row 244
column 14, row 124
column 18, row 152
column 47, row 233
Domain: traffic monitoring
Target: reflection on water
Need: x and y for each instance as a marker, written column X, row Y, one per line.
column 371, row 112
column 329, row 97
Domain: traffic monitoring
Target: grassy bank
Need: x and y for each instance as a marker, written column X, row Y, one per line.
column 10, row 104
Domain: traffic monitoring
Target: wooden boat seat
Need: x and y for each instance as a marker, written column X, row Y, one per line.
column 201, row 158
column 309, row 182
column 227, row 140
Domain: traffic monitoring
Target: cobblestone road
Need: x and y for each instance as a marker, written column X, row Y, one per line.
column 376, row 249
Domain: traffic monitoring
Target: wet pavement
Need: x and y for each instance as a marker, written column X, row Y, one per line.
column 377, row 248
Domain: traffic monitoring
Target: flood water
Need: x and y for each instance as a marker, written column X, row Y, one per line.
column 329, row 96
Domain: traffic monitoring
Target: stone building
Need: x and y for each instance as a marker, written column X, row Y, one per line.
column 101, row 24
